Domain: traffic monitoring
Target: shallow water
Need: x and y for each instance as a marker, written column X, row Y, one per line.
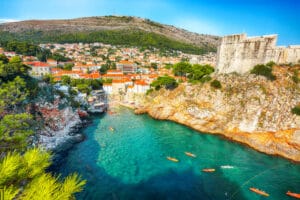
column 130, row 162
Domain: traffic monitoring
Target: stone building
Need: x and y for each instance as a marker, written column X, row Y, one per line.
column 239, row 53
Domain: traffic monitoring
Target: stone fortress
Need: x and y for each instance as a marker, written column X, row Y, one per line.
column 239, row 53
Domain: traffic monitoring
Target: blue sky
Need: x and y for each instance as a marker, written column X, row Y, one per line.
column 218, row 17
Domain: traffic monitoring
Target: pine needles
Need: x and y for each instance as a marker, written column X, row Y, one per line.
column 24, row 177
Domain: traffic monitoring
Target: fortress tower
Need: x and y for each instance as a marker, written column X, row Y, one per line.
column 239, row 53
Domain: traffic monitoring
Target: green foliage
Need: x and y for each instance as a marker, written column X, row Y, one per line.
column 164, row 81
column 48, row 78
column 295, row 77
column 13, row 69
column 12, row 93
column 264, row 70
column 296, row 110
column 24, row 177
column 68, row 66
column 84, row 88
column 94, row 84
column 216, row 84
column 59, row 57
column 182, row 68
column 3, row 59
column 130, row 37
column 199, row 72
column 168, row 66
column 11, row 43
column 65, row 80
column 104, row 68
column 15, row 130
column 149, row 91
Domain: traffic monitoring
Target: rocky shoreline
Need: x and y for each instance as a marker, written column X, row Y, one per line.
column 249, row 110
column 284, row 143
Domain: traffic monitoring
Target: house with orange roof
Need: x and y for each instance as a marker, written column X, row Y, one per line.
column 118, row 86
column 38, row 68
column 86, row 68
column 127, row 66
column 107, row 87
column 140, row 86
column 52, row 62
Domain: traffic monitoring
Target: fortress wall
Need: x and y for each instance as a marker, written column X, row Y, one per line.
column 237, row 53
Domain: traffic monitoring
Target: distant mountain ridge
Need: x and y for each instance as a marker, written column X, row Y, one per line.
column 46, row 30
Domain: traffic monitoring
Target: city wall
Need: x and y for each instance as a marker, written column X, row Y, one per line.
column 239, row 53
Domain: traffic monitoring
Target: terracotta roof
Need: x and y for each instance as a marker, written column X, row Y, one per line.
column 118, row 81
column 126, row 62
column 141, row 82
column 37, row 64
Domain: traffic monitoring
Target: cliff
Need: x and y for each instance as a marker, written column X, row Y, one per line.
column 248, row 109
column 58, row 121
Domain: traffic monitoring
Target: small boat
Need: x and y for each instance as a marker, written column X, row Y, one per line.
column 111, row 129
column 172, row 159
column 295, row 195
column 258, row 191
column 227, row 167
column 208, row 170
column 190, row 154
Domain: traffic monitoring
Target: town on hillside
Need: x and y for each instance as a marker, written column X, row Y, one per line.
column 124, row 70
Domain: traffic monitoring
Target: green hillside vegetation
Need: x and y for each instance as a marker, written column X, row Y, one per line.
column 128, row 37
column 24, row 177
column 23, row 171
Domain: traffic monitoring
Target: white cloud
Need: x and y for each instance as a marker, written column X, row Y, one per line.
column 7, row 20
column 197, row 25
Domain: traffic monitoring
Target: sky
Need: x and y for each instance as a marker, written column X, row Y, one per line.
column 216, row 17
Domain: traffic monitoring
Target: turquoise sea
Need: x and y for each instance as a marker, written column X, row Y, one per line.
column 129, row 162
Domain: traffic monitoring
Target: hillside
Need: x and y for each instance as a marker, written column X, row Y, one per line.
column 110, row 29
column 249, row 109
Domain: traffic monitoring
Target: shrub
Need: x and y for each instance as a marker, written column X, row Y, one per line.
column 149, row 91
column 264, row 70
column 296, row 110
column 164, row 81
column 216, row 84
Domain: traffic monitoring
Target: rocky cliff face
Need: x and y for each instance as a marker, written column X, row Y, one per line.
column 248, row 109
column 58, row 121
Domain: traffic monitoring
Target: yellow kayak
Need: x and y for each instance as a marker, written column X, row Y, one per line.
column 208, row 170
column 172, row 159
column 190, row 154
column 258, row 191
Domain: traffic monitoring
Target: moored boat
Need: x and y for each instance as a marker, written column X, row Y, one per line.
column 190, row 154
column 258, row 191
column 208, row 170
column 172, row 159
column 292, row 194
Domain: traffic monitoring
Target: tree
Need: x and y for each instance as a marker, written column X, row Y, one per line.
column 3, row 58
column 68, row 66
column 48, row 78
column 25, row 177
column 84, row 88
column 15, row 130
column 12, row 94
column 182, row 68
column 198, row 72
column 264, row 70
column 164, row 81
column 13, row 69
column 15, row 59
column 65, row 80
column 216, row 84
